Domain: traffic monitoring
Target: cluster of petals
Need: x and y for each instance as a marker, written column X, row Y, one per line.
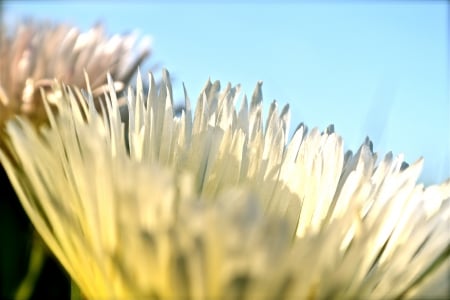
column 218, row 202
column 34, row 53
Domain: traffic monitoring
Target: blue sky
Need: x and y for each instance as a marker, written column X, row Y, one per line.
column 371, row 68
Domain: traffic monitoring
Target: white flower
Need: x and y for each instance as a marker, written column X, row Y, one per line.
column 218, row 206
column 36, row 53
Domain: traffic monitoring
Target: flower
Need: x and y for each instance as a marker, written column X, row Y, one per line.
column 37, row 53
column 219, row 206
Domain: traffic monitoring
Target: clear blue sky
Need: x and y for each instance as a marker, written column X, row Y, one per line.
column 371, row 68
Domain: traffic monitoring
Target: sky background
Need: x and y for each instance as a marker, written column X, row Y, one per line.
column 377, row 69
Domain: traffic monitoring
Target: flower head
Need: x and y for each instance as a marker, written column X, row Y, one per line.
column 37, row 53
column 218, row 205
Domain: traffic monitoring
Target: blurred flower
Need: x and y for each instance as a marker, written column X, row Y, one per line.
column 37, row 53
column 218, row 206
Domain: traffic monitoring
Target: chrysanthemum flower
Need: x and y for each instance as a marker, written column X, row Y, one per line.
column 36, row 53
column 219, row 206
